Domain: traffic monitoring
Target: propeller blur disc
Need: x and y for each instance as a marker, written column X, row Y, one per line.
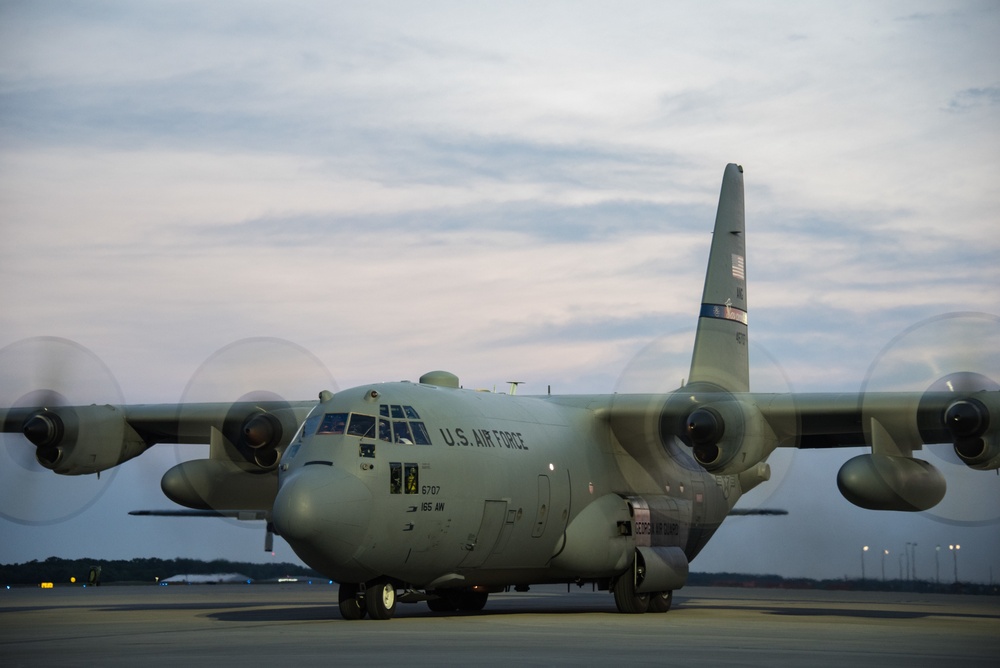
column 48, row 372
column 662, row 367
column 253, row 369
column 259, row 364
column 955, row 352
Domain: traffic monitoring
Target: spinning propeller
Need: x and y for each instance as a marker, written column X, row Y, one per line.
column 62, row 412
column 262, row 383
column 690, row 432
column 954, row 354
column 40, row 378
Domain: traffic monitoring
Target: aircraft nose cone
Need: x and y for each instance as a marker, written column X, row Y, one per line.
column 322, row 510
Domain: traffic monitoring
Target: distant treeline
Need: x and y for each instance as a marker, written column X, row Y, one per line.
column 62, row 571
column 140, row 571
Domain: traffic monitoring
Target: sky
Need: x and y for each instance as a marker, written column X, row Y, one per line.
column 333, row 194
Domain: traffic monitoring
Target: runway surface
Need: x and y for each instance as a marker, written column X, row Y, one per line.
column 299, row 625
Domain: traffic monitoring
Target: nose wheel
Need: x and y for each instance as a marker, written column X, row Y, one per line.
column 380, row 599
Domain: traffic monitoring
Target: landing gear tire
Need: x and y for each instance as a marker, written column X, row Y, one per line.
column 469, row 601
column 380, row 599
column 660, row 601
column 351, row 607
column 626, row 600
column 440, row 605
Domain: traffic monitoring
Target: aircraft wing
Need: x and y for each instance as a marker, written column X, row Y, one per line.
column 733, row 433
column 891, row 422
column 245, row 438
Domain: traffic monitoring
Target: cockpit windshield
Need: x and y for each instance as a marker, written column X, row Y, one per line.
column 397, row 424
column 361, row 425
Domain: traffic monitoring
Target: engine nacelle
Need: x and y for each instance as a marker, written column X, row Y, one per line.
column 726, row 435
column 968, row 420
column 963, row 409
column 982, row 454
column 258, row 432
column 887, row 482
column 77, row 440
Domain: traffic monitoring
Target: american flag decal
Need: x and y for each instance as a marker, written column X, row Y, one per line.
column 739, row 267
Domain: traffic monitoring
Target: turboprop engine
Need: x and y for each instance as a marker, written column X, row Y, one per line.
column 244, row 451
column 968, row 422
column 77, row 440
column 727, row 434
column 956, row 409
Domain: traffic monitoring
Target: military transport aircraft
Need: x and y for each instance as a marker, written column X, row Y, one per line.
column 424, row 491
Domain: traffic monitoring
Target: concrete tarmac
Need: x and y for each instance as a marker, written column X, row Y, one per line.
column 299, row 625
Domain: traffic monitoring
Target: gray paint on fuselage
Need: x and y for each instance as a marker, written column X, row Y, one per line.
column 477, row 511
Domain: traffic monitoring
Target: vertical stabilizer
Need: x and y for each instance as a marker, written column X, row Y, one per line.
column 720, row 346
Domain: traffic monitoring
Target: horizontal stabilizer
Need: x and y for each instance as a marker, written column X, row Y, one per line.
column 245, row 515
column 740, row 512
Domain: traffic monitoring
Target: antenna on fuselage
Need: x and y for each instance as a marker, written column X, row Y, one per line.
column 513, row 386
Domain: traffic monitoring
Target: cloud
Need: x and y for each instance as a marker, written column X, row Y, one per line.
column 972, row 98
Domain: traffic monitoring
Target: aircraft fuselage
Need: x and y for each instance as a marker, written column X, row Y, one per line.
column 437, row 487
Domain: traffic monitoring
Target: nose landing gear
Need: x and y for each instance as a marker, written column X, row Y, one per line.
column 380, row 599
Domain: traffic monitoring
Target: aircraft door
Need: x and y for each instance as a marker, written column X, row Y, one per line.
column 542, row 512
column 481, row 545
column 553, row 504
column 697, row 502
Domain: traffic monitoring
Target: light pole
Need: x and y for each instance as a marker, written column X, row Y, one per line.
column 885, row 553
column 863, row 550
column 913, row 560
column 954, row 551
column 937, row 564
column 906, row 559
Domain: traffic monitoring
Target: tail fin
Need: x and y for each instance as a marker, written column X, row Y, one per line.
column 720, row 346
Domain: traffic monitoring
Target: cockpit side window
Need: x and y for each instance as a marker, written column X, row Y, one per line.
column 397, row 412
column 309, row 426
column 420, row 435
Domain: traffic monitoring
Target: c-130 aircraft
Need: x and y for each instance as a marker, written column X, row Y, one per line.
column 407, row 492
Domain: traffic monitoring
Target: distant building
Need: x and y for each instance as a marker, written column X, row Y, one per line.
column 214, row 578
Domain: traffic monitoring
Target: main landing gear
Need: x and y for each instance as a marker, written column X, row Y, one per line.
column 632, row 603
column 377, row 599
column 463, row 600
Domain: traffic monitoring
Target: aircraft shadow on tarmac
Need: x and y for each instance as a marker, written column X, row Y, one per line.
column 328, row 613
column 246, row 614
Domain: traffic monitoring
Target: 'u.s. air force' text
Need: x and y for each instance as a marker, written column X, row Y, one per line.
column 484, row 438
